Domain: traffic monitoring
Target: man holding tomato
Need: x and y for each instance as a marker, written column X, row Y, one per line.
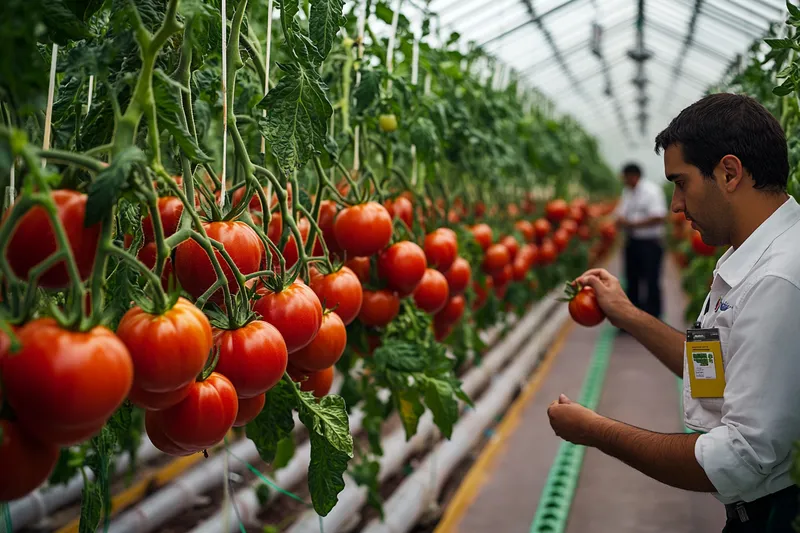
column 641, row 214
column 727, row 156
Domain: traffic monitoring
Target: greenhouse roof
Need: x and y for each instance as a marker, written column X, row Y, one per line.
column 623, row 68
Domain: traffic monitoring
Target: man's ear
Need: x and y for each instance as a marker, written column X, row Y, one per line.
column 732, row 172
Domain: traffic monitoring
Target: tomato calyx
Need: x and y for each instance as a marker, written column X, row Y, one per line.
column 571, row 290
column 213, row 359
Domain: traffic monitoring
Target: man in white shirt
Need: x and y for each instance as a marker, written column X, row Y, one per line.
column 641, row 213
column 727, row 156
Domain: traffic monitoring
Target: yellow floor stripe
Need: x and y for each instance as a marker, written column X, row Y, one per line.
column 481, row 470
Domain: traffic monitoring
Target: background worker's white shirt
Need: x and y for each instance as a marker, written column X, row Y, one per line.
column 755, row 303
column 644, row 201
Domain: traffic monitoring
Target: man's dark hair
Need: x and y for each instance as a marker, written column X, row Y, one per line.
column 723, row 124
column 632, row 168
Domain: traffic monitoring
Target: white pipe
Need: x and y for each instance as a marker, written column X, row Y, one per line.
column 396, row 450
column 45, row 501
column 48, row 115
column 413, row 497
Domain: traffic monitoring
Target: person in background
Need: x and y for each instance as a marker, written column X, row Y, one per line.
column 641, row 214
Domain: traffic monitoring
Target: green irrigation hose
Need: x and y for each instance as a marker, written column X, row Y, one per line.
column 559, row 490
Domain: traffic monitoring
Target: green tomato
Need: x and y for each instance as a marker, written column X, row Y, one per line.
column 387, row 123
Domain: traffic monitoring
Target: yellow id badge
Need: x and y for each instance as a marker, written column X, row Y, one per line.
column 704, row 358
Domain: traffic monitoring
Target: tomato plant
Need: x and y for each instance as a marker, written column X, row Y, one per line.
column 483, row 234
column 432, row 293
column 326, row 348
column 402, row 266
column 252, row 357
column 441, row 248
column 379, row 308
column 496, row 258
column 295, row 311
column 458, row 276
column 363, row 230
column 25, row 462
column 340, row 291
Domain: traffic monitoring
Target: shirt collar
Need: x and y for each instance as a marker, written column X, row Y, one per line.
column 734, row 265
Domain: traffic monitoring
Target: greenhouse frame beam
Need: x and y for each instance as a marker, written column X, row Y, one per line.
column 688, row 40
column 471, row 12
column 751, row 11
column 715, row 12
column 707, row 50
column 515, row 29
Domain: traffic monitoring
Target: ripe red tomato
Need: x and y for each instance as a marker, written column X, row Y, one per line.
column 317, row 382
column 341, row 291
column 511, row 245
column 561, row 239
column 441, row 248
column 481, row 292
column 295, row 311
column 249, row 409
column 290, row 251
column 379, row 308
column 576, row 214
column 147, row 255
column 170, row 209
column 64, row 385
column 526, row 229
column 33, row 240
column 441, row 330
column 275, row 228
column 154, row 426
column 169, row 350
column 194, row 269
column 402, row 208
column 458, row 276
column 326, row 348
column 579, row 204
column 584, row 309
column 700, row 247
column 608, row 231
column 327, row 215
column 452, row 311
column 402, row 265
column 204, row 417
column 496, row 258
column 570, row 226
column 364, row 229
column 547, row 252
column 556, row 210
column 584, row 233
column 360, row 267
column 252, row 357
column 542, row 228
column 156, row 401
column 483, row 235
column 503, row 277
column 523, row 262
column 432, row 293
column 25, row 462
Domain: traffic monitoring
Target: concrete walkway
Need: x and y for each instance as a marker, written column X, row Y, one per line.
column 611, row 497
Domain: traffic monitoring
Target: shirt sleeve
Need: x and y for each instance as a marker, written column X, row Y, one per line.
column 760, row 410
column 657, row 207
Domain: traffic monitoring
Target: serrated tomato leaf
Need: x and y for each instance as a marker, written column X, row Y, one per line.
column 367, row 91
column 410, row 408
column 274, row 422
column 110, row 183
column 91, row 507
column 167, row 94
column 440, row 399
column 324, row 23
column 402, row 356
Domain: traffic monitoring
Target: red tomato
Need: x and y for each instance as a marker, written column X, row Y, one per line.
column 290, row 251
column 203, row 418
column 64, row 385
column 441, row 330
column 584, row 309
column 511, row 245
column 584, row 233
column 502, row 277
column 561, row 239
column 496, row 259
column 295, row 311
column 156, row 401
column 483, row 234
column 24, row 462
column 327, row 216
column 169, row 350
column 379, row 308
column 170, row 209
column 432, row 293
column 529, row 253
column 526, row 229
column 364, row 229
column 481, row 292
column 458, row 276
column 542, row 228
column 252, row 357
column 154, row 426
column 360, row 267
column 579, row 204
column 452, row 311
column 441, row 248
column 317, row 382
column 326, row 348
column 401, row 208
column 608, row 231
column 570, row 226
column 275, row 228
column 33, row 240
column 700, row 247
column 402, row 265
column 480, row 209
column 547, row 252
column 340, row 291
column 556, row 210
column 577, row 215
column 249, row 409
column 147, row 255
column 194, row 269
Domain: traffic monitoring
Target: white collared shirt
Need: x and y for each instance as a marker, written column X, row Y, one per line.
column 755, row 303
column 644, row 201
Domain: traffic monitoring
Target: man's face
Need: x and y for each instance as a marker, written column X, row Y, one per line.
column 699, row 198
column 630, row 179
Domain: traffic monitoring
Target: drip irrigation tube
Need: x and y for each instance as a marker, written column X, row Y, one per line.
column 412, row 499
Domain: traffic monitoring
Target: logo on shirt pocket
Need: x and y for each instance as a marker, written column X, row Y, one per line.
column 722, row 305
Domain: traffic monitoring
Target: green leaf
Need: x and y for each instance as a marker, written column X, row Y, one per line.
column 784, row 89
column 297, row 117
column 286, row 449
column 365, row 473
column 324, row 23
column 440, row 399
column 402, row 356
column 424, row 137
column 367, row 91
column 91, row 507
column 62, row 22
column 781, row 44
column 275, row 422
column 110, row 183
column 794, row 11
column 304, row 200
column 410, row 409
column 167, row 94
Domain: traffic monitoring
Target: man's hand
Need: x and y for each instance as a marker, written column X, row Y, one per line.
column 610, row 296
column 571, row 421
